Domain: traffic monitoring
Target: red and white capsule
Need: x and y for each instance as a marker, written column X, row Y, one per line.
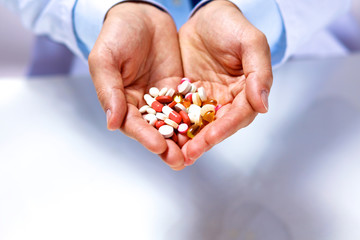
column 153, row 103
column 173, row 115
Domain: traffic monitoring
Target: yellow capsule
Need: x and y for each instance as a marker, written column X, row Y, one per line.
column 178, row 98
column 193, row 130
column 209, row 116
column 203, row 123
column 210, row 101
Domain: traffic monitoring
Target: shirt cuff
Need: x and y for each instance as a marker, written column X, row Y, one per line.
column 88, row 18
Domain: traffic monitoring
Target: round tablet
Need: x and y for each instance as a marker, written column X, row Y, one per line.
column 182, row 128
column 167, row 131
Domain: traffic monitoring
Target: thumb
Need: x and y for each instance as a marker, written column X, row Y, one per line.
column 256, row 60
column 109, row 88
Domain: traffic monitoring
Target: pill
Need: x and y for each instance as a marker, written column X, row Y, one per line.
column 159, row 123
column 186, row 103
column 178, row 98
column 154, row 92
column 193, row 130
column 172, row 104
column 193, row 88
column 161, row 116
column 143, row 108
column 196, row 99
column 170, row 92
column 151, row 118
column 207, row 108
column 167, row 131
column 163, row 91
column 210, row 101
column 188, row 96
column 164, row 99
column 185, row 117
column 179, row 107
column 153, row 103
column 170, row 122
column 218, row 107
column 209, row 116
column 150, row 110
column 194, row 108
column 185, row 79
column 184, row 87
column 202, row 94
column 175, row 137
column 182, row 128
column 195, row 117
column 173, row 115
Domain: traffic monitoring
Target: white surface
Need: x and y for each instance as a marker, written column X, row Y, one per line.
column 292, row 174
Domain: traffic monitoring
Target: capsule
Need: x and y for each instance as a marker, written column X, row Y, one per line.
column 178, row 98
column 153, row 103
column 173, row 115
column 193, row 130
column 164, row 99
column 210, row 101
column 186, row 103
column 209, row 116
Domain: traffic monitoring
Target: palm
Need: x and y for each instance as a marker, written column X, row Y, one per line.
column 210, row 51
column 138, row 53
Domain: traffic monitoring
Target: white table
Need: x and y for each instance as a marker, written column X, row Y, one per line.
column 293, row 174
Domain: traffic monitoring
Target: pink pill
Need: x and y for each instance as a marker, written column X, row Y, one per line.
column 182, row 128
column 185, row 79
column 218, row 107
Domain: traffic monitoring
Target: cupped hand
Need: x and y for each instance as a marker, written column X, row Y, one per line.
column 137, row 48
column 230, row 58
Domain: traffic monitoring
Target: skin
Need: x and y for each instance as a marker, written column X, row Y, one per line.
column 139, row 48
column 230, row 58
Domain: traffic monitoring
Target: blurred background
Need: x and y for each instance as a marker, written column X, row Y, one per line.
column 15, row 44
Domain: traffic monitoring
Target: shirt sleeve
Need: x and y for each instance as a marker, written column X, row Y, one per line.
column 47, row 17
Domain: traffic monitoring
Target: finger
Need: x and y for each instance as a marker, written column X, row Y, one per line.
column 137, row 128
column 230, row 118
column 173, row 156
column 256, row 60
column 108, row 85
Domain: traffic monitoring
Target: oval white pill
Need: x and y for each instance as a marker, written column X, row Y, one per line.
column 170, row 92
column 163, row 91
column 171, row 123
column 151, row 118
column 167, row 131
column 179, row 107
column 194, row 108
column 144, row 108
column 151, row 111
column 193, row 88
column 202, row 94
column 154, row 92
column 182, row 128
column 161, row 116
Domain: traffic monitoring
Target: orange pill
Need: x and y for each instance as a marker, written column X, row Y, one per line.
column 210, row 101
column 164, row 99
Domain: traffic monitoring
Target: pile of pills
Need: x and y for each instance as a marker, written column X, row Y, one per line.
column 185, row 111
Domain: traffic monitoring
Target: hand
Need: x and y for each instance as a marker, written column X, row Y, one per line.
column 137, row 49
column 230, row 58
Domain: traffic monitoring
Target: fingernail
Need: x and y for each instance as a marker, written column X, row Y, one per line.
column 108, row 115
column 265, row 99
column 188, row 162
